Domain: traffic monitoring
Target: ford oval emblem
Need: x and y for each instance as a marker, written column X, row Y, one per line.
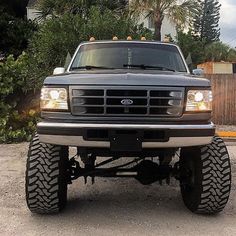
column 127, row 102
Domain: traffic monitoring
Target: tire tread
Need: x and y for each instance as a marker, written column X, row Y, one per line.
column 43, row 180
column 216, row 169
column 210, row 166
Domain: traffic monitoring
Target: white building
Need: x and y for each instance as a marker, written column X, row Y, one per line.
column 32, row 12
column 167, row 26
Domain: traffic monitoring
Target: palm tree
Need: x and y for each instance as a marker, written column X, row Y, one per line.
column 178, row 11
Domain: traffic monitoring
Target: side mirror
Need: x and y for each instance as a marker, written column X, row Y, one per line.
column 198, row 72
column 59, row 70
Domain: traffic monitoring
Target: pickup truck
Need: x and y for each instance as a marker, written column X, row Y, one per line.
column 136, row 103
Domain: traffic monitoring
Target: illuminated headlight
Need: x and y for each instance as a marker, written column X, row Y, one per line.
column 54, row 99
column 199, row 100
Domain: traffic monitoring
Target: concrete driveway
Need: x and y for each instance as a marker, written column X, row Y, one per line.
column 110, row 207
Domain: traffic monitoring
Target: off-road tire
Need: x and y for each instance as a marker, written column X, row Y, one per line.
column 46, row 177
column 205, row 177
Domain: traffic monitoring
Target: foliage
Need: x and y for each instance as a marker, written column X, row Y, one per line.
column 55, row 8
column 178, row 11
column 21, row 78
column 191, row 45
column 200, row 52
column 219, row 51
column 206, row 22
column 17, row 113
column 231, row 55
column 58, row 36
column 16, row 8
column 15, row 33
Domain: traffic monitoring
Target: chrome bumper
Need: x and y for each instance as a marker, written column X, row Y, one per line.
column 124, row 126
column 68, row 139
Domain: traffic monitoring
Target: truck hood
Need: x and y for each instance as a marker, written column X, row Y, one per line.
column 140, row 78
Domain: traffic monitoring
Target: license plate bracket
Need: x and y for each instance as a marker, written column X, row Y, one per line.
column 126, row 140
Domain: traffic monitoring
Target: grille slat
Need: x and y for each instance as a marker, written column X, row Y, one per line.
column 128, row 101
column 167, row 98
column 138, row 106
column 126, row 93
column 131, row 97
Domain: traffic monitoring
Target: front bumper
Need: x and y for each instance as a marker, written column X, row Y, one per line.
column 103, row 135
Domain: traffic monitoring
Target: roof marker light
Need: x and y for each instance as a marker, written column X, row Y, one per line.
column 115, row 38
column 92, row 39
column 166, row 39
column 143, row 38
column 129, row 38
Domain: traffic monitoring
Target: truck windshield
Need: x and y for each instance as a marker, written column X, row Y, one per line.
column 142, row 56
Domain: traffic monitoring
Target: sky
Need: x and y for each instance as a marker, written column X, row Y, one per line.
column 228, row 22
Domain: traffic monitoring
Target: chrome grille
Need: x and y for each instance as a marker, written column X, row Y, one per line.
column 128, row 101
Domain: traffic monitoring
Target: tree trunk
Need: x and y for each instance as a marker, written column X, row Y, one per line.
column 158, row 24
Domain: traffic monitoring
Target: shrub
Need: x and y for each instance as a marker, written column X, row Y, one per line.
column 21, row 79
column 17, row 105
column 15, row 34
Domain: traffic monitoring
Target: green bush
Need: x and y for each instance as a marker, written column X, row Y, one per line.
column 190, row 43
column 79, row 7
column 18, row 109
column 219, row 51
column 15, row 33
column 21, row 79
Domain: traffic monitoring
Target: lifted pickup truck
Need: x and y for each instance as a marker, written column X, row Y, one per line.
column 134, row 100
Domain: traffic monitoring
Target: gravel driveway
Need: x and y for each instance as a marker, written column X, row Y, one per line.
column 110, row 207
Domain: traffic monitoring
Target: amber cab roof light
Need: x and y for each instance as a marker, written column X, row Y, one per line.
column 92, row 39
column 166, row 39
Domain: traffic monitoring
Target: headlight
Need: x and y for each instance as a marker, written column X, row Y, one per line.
column 54, row 99
column 199, row 100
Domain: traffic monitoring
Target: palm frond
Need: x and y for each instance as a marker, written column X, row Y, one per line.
column 177, row 11
column 182, row 14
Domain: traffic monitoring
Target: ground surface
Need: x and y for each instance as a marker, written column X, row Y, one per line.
column 110, row 207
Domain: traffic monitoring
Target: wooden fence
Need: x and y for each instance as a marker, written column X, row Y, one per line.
column 224, row 94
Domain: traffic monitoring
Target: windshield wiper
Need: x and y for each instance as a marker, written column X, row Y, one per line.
column 144, row 67
column 89, row 67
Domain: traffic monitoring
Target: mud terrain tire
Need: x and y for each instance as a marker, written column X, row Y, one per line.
column 205, row 177
column 46, row 177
